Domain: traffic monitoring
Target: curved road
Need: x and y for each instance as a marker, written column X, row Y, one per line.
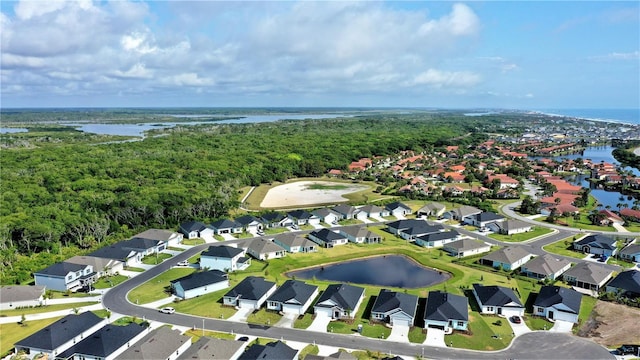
column 539, row 345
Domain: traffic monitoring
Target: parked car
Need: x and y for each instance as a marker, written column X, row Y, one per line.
column 183, row 263
column 603, row 258
column 628, row 349
column 516, row 319
column 167, row 310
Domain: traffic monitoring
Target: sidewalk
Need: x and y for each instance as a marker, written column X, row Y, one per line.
column 48, row 315
column 71, row 300
column 159, row 303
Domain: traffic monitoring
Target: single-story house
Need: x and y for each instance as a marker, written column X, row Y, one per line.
column 341, row 354
column 437, row 239
column 596, row 244
column 398, row 209
column 249, row 223
column 294, row 243
column 262, row 249
column 461, row 213
column 273, row 350
column 224, row 258
column 545, row 267
column 627, row 284
column 60, row 335
column 373, row 211
column 446, row 311
column 199, row 283
column 327, row 216
column 226, row 226
column 128, row 256
column 161, row 343
column 395, row 227
column 631, row 253
column 213, row 349
column 275, row 220
column 497, row 300
column 587, row 275
column 292, row 297
column 424, row 228
column 483, row 219
column 303, row 217
column 106, row 343
column 339, row 301
column 169, row 238
column 432, row 209
column 395, row 308
column 194, row 229
column 558, row 303
column 508, row 258
column 251, row 293
column 510, row 227
column 65, row 276
column 21, row 296
column 360, row 234
column 102, row 266
column 327, row 238
column 143, row 246
column 345, row 211
column 466, row 247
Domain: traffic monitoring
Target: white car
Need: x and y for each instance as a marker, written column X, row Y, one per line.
column 183, row 263
column 167, row 310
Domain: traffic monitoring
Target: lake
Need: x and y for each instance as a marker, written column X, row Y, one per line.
column 12, row 130
column 388, row 270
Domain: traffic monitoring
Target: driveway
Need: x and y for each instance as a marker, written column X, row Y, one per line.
column 241, row 315
column 399, row 333
column 435, row 337
column 519, row 329
column 228, row 237
column 320, row 323
column 287, row 320
column 562, row 326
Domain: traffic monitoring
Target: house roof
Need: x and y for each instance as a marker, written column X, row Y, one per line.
column 192, row 226
column 466, row 245
column 105, row 341
column 274, row 350
column 262, row 246
column 299, row 214
column 222, row 251
column 627, row 280
column 343, row 295
column 326, row 235
column 546, row 264
column 116, row 252
column 495, row 295
column 631, row 249
column 344, row 209
column 555, row 295
column 251, row 288
column 441, row 235
column 61, row 269
column 138, row 243
column 589, row 272
column 98, row 263
column 293, row 292
column 371, row 209
column 156, row 234
column 225, row 224
column 60, row 332
column 358, row 231
column 246, row 220
column 159, row 344
column 465, row 211
column 442, row 306
column 396, row 205
column 201, row 278
column 272, row 217
column 432, row 206
column 211, row 348
column 598, row 241
column 388, row 300
column 340, row 355
column 507, row 255
column 16, row 293
column 513, row 224
column 405, row 224
column 292, row 239
column 488, row 216
column 323, row 212
column 423, row 228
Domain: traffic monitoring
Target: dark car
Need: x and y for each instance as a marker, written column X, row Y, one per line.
column 516, row 319
column 243, row 338
column 628, row 349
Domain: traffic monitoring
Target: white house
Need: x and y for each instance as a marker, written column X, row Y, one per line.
column 294, row 243
column 395, row 308
column 558, row 303
column 327, row 216
column 21, row 296
column 339, row 301
column 170, row 238
column 199, row 283
column 466, row 247
column 545, row 267
column 262, row 249
column 497, row 300
column 293, row 297
column 446, row 311
column 224, row 258
column 250, row 293
column 437, row 239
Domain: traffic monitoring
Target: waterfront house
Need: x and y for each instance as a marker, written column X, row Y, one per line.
column 250, row 293
column 262, row 249
column 295, row 243
column 558, row 303
column 360, row 235
column 446, row 311
column 587, row 275
column 437, row 239
column 395, row 227
column 21, row 296
column 224, row 258
column 421, row 228
column 162, row 343
column 497, row 300
column 339, row 301
column 199, row 283
column 545, row 267
column 394, row 308
column 327, row 238
column 508, row 258
column 466, row 247
column 292, row 297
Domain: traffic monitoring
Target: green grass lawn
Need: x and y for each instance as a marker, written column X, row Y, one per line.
column 483, row 328
column 126, row 320
column 46, row 308
column 416, row 335
column 624, row 264
column 156, row 288
column 264, row 317
column 537, row 231
column 193, row 242
column 173, row 248
column 196, row 334
column 155, row 259
column 109, row 281
column 275, row 231
column 303, row 322
column 53, row 294
column 309, row 349
column 537, row 323
column 12, row 333
column 134, row 269
column 586, row 308
column 208, row 305
column 564, row 247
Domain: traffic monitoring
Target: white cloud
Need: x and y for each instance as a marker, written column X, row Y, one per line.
column 437, row 78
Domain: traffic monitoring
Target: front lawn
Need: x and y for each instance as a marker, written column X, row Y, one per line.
column 13, row 332
column 619, row 262
column 416, row 335
column 134, row 269
column 109, row 281
column 264, row 317
column 45, row 308
column 537, row 323
column 537, row 231
column 173, row 248
column 193, row 242
column 155, row 259
column 208, row 305
column 564, row 247
column 196, row 334
column 157, row 288
column 309, row 349
column 485, row 334
column 586, row 308
column 304, row 322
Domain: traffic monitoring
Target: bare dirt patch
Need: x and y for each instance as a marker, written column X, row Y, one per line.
column 612, row 324
column 304, row 193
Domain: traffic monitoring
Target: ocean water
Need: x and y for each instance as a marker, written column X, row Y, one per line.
column 629, row 116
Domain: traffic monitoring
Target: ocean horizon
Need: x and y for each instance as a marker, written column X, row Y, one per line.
column 629, row 116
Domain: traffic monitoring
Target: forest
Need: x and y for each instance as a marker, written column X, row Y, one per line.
column 70, row 195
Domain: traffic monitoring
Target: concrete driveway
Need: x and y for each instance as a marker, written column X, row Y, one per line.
column 519, row 329
column 241, row 315
column 435, row 337
column 399, row 333
column 228, row 237
column 320, row 323
column 287, row 320
column 562, row 326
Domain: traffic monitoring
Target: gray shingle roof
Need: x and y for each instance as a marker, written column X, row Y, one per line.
column 507, row 255
column 466, row 245
column 225, row 224
column 15, row 293
column 440, row 235
column 553, row 295
column 271, row 351
column 251, row 288
column 61, row 331
column 159, row 344
column 344, row 209
column 138, row 243
column 359, row 232
column 627, row 280
column 113, row 252
column 344, row 295
column 406, row 224
column 465, row 211
column 61, row 269
column 631, row 249
column 327, row 235
column 495, row 295
column 443, row 306
column 588, row 272
column 396, row 205
column 104, row 341
column 388, row 300
column 272, row 217
column 423, row 228
column 200, row 279
column 156, row 234
column 222, row 251
column 488, row 216
column 211, row 348
column 246, row 220
column 192, row 226
column 512, row 224
column 292, row 239
column 546, row 264
column 599, row 241
column 294, row 292
column 299, row 214
column 262, row 246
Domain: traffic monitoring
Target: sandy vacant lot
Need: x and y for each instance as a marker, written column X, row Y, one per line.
column 298, row 194
column 613, row 324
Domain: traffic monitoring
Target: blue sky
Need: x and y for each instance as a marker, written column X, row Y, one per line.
column 524, row 55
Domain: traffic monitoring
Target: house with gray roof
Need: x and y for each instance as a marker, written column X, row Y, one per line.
column 432, row 209
column 60, row 335
column 169, row 238
column 327, row 216
column 21, row 296
column 483, row 219
column 345, row 211
column 437, row 239
column 65, row 276
column 497, row 300
column 302, row 217
column 275, row 220
column 192, row 229
column 162, row 343
column 360, row 234
column 394, row 308
column 224, row 258
column 545, row 267
column 596, row 244
column 398, row 209
column 466, row 247
column 627, row 284
column 327, row 238
column 294, row 243
column 420, row 229
column 508, row 258
column 461, row 213
column 250, row 223
column 106, row 343
column 102, row 266
column 250, row 293
column 446, row 311
column 510, row 227
column 631, row 253
column 339, row 355
column 587, row 275
column 263, row 249
column 373, row 211
column 128, row 256
column 273, row 350
column 226, row 226
column 292, row 297
column 339, row 301
column 558, row 303
column 199, row 283
column 395, row 227
column 143, row 246
column 214, row 349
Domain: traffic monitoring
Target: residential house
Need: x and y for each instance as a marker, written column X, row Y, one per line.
column 461, row 213
column 327, row 238
column 588, row 275
column 262, row 249
column 483, row 219
column 169, row 238
column 303, row 217
column 275, row 220
column 545, row 267
column 226, row 226
column 360, row 235
column 395, row 227
column 65, row 276
column 627, row 284
column 162, row 343
column 327, row 216
column 199, row 283
column 339, row 355
column 446, row 311
column 293, row 297
column 195, row 229
column 596, row 244
column 395, row 308
column 273, row 350
column 128, row 257
column 143, row 246
column 224, row 258
column 437, row 239
column 432, row 209
column 398, row 209
column 250, row 223
column 558, row 303
column 508, row 258
column 466, row 247
column 497, row 300
column 250, row 293
column 339, row 301
column 21, row 296
column 611, row 218
column 102, row 266
column 295, row 243
column 630, row 214
column 424, row 228
column 510, row 227
column 107, row 343
column 631, row 253
column 345, row 211
column 60, row 335
column 213, row 349
column 374, row 211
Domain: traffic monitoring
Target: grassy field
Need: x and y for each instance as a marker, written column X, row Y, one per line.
column 12, row 333
column 193, row 242
column 208, row 305
column 535, row 232
column 416, row 335
column 156, row 288
column 564, row 247
column 46, row 308
column 155, row 259
column 486, row 334
column 196, row 334
column 109, row 281
column 308, row 350
column 586, row 307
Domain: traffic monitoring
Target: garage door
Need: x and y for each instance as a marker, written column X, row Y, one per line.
column 432, row 326
column 401, row 322
column 324, row 311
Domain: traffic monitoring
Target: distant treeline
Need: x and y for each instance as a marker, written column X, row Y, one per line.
column 626, row 157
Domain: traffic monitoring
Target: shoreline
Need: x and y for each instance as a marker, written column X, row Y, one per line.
column 611, row 121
